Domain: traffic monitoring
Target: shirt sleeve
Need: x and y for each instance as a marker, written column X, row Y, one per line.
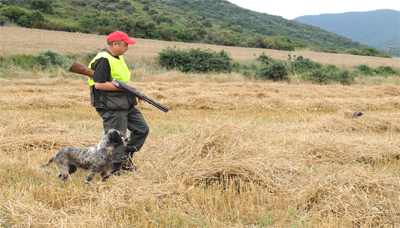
column 102, row 70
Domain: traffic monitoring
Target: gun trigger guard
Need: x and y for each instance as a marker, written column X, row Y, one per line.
column 114, row 82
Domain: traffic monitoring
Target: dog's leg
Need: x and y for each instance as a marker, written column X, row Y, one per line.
column 106, row 171
column 63, row 172
column 72, row 169
column 89, row 176
column 105, row 176
column 62, row 164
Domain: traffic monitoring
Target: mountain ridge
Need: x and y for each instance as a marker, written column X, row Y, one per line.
column 378, row 28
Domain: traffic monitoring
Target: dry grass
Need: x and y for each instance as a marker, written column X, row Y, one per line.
column 229, row 153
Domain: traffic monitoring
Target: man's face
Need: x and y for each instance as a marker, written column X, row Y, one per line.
column 120, row 47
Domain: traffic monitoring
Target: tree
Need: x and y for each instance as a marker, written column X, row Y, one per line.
column 207, row 23
column 13, row 13
column 42, row 5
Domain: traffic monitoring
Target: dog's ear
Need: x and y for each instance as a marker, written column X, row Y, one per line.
column 114, row 137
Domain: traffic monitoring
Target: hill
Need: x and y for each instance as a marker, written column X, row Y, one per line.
column 379, row 28
column 213, row 22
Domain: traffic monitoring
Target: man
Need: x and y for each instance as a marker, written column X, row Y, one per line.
column 117, row 108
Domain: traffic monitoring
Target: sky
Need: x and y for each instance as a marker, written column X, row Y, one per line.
column 290, row 9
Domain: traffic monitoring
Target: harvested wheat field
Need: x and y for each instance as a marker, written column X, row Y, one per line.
column 227, row 154
column 30, row 41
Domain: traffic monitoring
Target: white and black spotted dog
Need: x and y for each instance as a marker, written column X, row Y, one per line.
column 96, row 159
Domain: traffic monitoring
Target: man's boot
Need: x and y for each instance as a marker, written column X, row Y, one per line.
column 115, row 169
column 127, row 162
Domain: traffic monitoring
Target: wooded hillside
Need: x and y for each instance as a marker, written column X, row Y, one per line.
column 213, row 22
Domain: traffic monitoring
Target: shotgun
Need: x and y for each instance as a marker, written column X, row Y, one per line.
column 82, row 69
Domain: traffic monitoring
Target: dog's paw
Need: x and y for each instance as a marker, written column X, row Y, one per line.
column 117, row 173
column 128, row 167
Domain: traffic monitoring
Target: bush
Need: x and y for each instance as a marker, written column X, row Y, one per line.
column 22, row 60
column 272, row 69
column 384, row 70
column 277, row 43
column 318, row 72
column 365, row 69
column 275, row 70
column 50, row 57
column 195, row 60
column 343, row 76
column 352, row 51
column 264, row 58
column 27, row 62
column 300, row 45
column 319, row 75
column 305, row 65
column 3, row 20
column 367, row 51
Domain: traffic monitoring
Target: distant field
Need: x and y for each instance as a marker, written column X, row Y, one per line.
column 227, row 154
column 31, row 41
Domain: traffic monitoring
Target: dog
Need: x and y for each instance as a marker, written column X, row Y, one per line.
column 96, row 159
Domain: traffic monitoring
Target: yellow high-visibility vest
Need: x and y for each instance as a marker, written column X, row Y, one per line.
column 119, row 69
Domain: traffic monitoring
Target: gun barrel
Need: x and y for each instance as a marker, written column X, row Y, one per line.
column 139, row 95
column 155, row 104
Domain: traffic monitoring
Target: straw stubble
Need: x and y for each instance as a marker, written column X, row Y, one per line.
column 227, row 154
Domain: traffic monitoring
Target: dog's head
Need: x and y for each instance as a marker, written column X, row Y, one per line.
column 117, row 137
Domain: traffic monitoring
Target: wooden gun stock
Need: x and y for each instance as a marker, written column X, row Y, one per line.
column 84, row 70
column 81, row 69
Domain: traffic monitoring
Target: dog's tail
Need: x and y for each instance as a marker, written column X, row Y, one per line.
column 48, row 163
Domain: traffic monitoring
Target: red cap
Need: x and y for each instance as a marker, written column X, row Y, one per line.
column 120, row 36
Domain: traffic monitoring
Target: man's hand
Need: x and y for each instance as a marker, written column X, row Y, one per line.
column 139, row 100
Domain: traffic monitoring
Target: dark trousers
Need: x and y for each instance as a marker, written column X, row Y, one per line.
column 131, row 119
